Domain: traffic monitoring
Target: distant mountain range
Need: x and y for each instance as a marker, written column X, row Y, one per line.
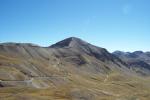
column 81, row 69
column 138, row 61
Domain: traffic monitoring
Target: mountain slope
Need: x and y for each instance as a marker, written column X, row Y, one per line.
column 72, row 55
column 138, row 61
column 71, row 69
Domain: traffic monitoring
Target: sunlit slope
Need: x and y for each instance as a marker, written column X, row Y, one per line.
column 71, row 69
column 111, row 87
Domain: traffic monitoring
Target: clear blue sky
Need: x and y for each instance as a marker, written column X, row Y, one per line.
column 112, row 24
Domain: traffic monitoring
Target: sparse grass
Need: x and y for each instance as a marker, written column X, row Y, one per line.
column 116, row 90
column 79, row 86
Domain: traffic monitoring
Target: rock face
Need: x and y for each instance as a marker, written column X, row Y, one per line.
column 72, row 68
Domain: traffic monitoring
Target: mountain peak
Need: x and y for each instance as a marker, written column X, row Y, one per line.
column 83, row 47
column 69, row 42
column 74, row 38
column 138, row 52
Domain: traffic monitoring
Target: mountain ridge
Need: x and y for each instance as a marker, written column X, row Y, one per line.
column 71, row 69
column 136, row 60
